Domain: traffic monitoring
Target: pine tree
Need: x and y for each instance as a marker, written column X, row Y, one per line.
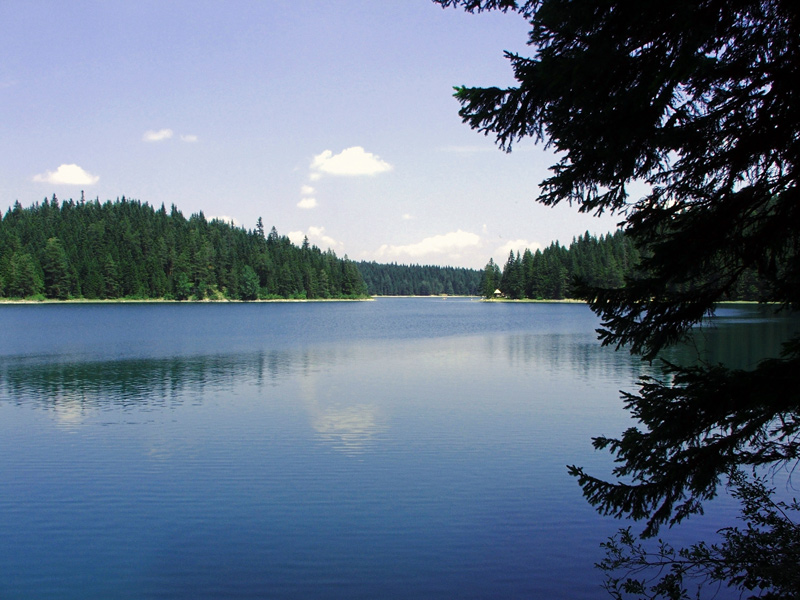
column 248, row 284
column 489, row 282
column 56, row 270
column 23, row 276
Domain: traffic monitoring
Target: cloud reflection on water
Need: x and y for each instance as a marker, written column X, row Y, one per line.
column 75, row 392
column 349, row 418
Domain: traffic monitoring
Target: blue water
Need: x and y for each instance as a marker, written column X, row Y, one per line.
column 401, row 448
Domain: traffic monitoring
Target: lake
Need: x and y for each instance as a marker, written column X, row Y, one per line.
column 401, row 448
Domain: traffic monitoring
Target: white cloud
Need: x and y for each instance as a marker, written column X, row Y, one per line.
column 67, row 174
column 225, row 219
column 307, row 203
column 450, row 244
column 407, row 217
column 318, row 234
column 306, row 190
column 515, row 246
column 296, row 237
column 349, row 162
column 166, row 134
column 157, row 136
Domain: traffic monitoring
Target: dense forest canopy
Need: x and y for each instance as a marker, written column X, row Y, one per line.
column 392, row 279
column 128, row 249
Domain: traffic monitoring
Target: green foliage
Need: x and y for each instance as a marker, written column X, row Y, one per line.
column 490, row 281
column 699, row 102
column 248, row 284
column 56, row 270
column 23, row 277
column 418, row 280
column 129, row 249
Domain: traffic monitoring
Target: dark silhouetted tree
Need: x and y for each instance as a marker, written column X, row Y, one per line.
column 699, row 101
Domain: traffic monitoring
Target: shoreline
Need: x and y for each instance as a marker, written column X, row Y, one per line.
column 536, row 300
column 167, row 301
column 23, row 301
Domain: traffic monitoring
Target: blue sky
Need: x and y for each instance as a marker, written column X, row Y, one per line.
column 329, row 119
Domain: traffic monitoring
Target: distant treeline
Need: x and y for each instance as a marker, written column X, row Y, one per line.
column 418, row 280
column 544, row 274
column 603, row 262
column 127, row 248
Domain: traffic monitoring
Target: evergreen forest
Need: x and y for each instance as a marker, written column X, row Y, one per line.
column 418, row 280
column 128, row 249
column 605, row 262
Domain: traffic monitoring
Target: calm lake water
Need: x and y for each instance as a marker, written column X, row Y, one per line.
column 401, row 448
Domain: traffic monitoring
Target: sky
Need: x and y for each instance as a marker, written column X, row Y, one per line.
column 329, row 119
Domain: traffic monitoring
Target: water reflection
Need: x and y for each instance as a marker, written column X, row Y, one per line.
column 346, row 416
column 304, row 466
column 739, row 337
column 581, row 355
column 338, row 417
column 162, row 383
column 351, row 429
column 72, row 392
column 348, row 392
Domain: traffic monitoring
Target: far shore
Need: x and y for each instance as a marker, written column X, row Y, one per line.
column 169, row 301
column 482, row 299
column 266, row 300
column 536, row 300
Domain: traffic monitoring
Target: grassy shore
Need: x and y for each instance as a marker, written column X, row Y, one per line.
column 169, row 301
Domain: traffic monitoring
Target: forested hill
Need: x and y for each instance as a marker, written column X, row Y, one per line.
column 418, row 280
column 130, row 249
